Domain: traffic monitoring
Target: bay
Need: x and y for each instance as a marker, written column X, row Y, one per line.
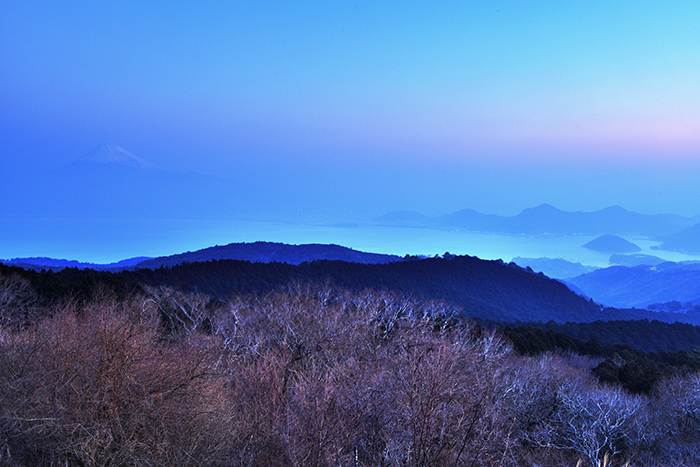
column 106, row 240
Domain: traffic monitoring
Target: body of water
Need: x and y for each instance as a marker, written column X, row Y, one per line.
column 108, row 240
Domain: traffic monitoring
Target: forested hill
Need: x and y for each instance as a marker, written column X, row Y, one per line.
column 267, row 252
column 490, row 290
column 485, row 289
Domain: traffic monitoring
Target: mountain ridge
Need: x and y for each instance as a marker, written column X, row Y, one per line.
column 685, row 241
column 113, row 154
column 641, row 286
column 269, row 252
column 109, row 181
column 256, row 252
column 546, row 219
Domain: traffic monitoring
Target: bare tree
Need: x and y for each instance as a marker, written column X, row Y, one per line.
column 179, row 313
column 17, row 300
column 597, row 422
column 98, row 389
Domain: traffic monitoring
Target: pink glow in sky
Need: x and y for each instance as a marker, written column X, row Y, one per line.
column 432, row 106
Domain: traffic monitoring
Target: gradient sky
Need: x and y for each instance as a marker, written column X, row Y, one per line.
column 370, row 106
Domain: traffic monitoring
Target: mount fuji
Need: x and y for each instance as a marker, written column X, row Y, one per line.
column 111, row 182
column 113, row 154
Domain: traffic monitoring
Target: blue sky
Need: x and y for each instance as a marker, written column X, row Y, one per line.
column 371, row 106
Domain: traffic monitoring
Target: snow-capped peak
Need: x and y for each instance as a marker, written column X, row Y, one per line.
column 113, row 154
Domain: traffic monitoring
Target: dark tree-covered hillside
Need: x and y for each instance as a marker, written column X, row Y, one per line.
column 485, row 289
column 635, row 370
column 488, row 290
column 268, row 252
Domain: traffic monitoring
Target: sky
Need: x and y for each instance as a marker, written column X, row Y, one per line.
column 369, row 106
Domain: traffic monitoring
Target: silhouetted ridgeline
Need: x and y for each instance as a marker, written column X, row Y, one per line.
column 685, row 241
column 72, row 283
column 642, row 286
column 489, row 290
column 258, row 252
column 53, row 264
column 267, row 252
column 485, row 289
column 546, row 219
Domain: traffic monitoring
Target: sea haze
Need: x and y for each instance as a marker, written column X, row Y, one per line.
column 106, row 240
column 110, row 205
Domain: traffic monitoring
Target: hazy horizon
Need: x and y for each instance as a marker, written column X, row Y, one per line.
column 349, row 110
column 341, row 194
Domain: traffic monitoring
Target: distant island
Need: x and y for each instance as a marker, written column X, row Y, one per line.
column 612, row 244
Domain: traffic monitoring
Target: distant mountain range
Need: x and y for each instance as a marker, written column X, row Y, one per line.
column 635, row 260
column 258, row 252
column 685, row 241
column 622, row 287
column 546, row 219
column 641, row 286
column 639, row 281
column 490, row 290
column 111, row 182
column 556, row 268
column 53, row 264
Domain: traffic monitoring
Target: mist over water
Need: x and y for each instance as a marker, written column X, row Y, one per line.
column 107, row 240
column 112, row 205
